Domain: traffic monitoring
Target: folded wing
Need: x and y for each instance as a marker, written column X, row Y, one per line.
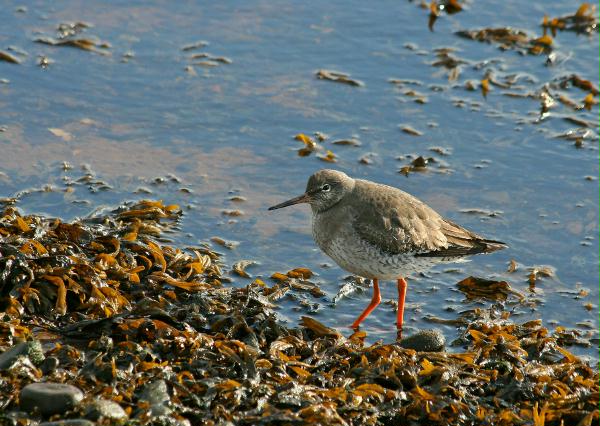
column 399, row 223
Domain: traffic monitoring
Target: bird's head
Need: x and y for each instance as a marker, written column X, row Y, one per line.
column 324, row 190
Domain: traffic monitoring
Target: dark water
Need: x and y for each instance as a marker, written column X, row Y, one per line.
column 135, row 116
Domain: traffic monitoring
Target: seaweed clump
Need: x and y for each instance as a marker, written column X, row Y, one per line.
column 134, row 322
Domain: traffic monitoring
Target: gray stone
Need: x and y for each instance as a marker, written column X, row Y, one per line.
column 49, row 365
column 24, row 368
column 49, row 398
column 69, row 422
column 155, row 392
column 425, row 341
column 161, row 410
column 169, row 421
column 32, row 349
column 105, row 409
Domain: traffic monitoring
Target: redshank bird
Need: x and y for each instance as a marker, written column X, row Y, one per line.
column 381, row 233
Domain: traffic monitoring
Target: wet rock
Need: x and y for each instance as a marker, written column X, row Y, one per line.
column 32, row 349
column 13, row 418
column 171, row 421
column 23, row 367
column 105, row 409
column 69, row 422
column 425, row 341
column 49, row 365
column 155, row 392
column 157, row 395
column 49, row 398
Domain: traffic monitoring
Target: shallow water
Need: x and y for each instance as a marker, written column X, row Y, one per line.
column 135, row 114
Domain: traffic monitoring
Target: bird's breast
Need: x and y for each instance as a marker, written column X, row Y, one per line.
column 322, row 231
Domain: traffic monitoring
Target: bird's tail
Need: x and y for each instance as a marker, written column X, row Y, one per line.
column 490, row 246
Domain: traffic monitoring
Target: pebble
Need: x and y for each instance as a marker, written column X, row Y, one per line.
column 425, row 341
column 69, row 422
column 156, row 394
column 32, row 349
column 23, row 367
column 105, row 409
column 49, row 365
column 49, row 398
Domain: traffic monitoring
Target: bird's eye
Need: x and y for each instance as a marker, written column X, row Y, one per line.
column 326, row 188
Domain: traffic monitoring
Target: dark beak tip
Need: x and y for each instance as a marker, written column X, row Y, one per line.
column 304, row 198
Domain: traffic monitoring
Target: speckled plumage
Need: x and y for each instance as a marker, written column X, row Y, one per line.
column 380, row 232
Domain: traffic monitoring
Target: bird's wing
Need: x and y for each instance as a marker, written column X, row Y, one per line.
column 396, row 221
column 463, row 242
column 400, row 223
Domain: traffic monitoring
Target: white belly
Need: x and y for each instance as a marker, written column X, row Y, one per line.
column 365, row 260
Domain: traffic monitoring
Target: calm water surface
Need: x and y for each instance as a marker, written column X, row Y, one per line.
column 140, row 113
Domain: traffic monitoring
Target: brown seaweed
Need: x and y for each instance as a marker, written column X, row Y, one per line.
column 119, row 310
column 338, row 77
column 584, row 20
column 510, row 38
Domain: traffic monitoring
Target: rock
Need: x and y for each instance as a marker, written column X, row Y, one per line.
column 156, row 394
column 49, row 398
column 105, row 409
column 170, row 421
column 32, row 349
column 425, row 341
column 69, row 422
column 160, row 411
column 49, row 365
column 24, row 368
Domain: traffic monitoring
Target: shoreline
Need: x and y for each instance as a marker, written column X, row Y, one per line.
column 147, row 333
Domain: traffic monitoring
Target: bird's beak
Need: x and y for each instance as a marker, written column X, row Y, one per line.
column 304, row 198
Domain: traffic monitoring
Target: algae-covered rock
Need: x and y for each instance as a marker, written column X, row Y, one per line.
column 32, row 349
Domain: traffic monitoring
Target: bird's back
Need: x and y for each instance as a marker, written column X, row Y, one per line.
column 398, row 222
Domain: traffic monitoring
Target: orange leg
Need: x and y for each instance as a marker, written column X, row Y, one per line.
column 374, row 302
column 401, row 295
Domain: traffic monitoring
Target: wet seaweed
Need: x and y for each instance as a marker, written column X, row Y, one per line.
column 7, row 57
column 510, row 38
column 122, row 315
column 584, row 21
column 202, row 59
column 436, row 8
column 69, row 35
column 338, row 77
